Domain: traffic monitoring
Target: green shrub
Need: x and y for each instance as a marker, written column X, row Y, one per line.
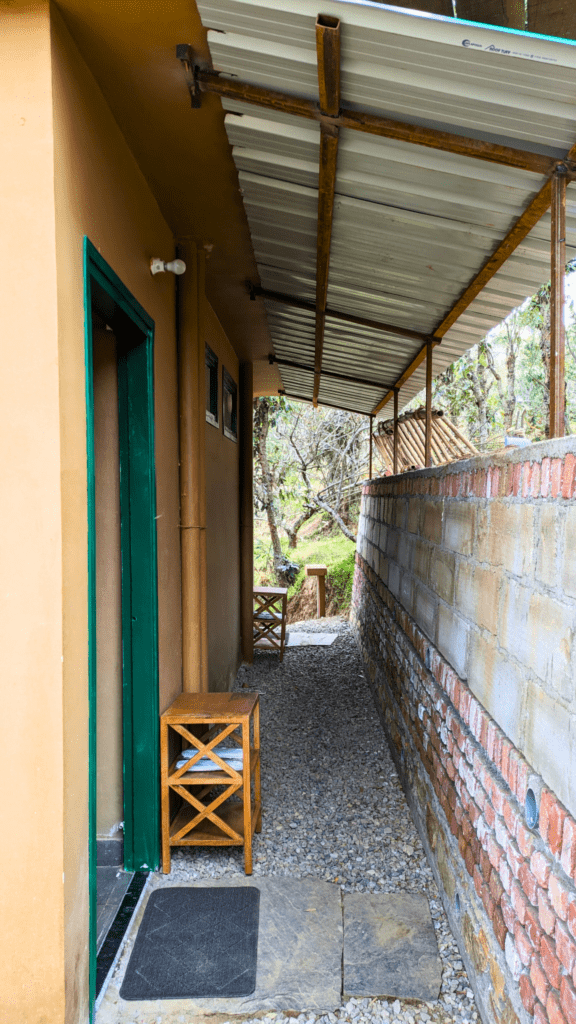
column 341, row 577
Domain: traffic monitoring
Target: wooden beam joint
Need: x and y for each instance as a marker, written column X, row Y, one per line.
column 410, row 369
column 185, row 55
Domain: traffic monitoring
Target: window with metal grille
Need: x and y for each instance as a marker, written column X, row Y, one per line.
column 211, row 361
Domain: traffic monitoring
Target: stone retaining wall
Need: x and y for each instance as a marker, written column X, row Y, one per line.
column 464, row 606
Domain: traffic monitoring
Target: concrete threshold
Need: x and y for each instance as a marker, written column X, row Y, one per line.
column 308, row 957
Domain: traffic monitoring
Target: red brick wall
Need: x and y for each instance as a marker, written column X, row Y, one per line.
column 484, row 530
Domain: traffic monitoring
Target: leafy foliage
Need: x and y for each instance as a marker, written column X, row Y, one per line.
column 307, row 461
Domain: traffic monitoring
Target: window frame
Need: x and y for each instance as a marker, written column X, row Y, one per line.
column 229, row 387
column 211, row 362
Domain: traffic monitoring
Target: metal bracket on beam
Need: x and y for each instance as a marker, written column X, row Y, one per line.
column 566, row 167
column 185, row 55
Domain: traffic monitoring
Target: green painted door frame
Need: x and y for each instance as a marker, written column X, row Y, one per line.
column 134, row 332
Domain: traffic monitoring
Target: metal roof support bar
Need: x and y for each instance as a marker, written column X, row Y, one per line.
column 349, row 318
column 557, row 302
column 373, row 124
column 523, row 226
column 325, row 373
column 416, row 362
column 328, row 54
column 428, row 435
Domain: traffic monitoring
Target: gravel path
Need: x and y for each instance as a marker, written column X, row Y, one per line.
column 333, row 808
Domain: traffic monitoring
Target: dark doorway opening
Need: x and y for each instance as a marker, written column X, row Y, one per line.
column 123, row 646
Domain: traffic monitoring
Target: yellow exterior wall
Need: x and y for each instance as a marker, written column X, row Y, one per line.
column 222, row 526
column 100, row 192
column 31, row 910
column 68, row 172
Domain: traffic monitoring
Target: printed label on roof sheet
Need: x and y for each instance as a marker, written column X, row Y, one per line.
column 475, row 45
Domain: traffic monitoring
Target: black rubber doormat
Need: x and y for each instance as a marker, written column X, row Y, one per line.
column 195, row 943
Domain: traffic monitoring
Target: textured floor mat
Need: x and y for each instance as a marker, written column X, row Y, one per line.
column 194, row 943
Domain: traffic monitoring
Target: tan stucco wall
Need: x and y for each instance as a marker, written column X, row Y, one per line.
column 31, row 908
column 101, row 193
column 223, row 527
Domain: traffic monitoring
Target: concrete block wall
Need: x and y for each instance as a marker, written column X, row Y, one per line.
column 464, row 607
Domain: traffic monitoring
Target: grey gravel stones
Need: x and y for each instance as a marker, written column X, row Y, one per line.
column 333, row 809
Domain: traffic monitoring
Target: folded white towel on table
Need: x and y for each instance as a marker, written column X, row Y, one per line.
column 234, row 753
column 206, row 764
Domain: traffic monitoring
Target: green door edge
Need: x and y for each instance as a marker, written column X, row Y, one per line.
column 139, row 577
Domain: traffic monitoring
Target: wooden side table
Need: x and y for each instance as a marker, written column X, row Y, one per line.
column 269, row 618
column 235, row 718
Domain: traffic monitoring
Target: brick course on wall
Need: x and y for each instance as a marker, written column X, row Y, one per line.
column 464, row 610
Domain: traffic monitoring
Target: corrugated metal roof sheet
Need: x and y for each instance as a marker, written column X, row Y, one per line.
column 412, row 226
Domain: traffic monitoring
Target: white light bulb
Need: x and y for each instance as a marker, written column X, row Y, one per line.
column 158, row 266
column 176, row 266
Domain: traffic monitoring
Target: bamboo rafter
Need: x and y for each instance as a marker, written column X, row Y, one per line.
column 447, row 442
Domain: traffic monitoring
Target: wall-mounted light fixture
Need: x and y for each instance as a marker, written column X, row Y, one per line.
column 158, row 266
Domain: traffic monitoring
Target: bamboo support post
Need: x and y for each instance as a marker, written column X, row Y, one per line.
column 428, row 441
column 557, row 302
column 370, row 418
column 395, row 449
column 246, row 511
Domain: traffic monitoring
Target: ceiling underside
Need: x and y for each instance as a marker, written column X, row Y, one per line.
column 412, row 225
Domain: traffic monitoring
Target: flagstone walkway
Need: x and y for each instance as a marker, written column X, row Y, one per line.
column 333, row 810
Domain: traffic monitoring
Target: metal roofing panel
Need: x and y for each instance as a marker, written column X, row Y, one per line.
column 412, row 225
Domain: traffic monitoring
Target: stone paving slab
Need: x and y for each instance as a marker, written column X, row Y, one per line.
column 299, row 957
column 390, row 948
column 310, row 639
